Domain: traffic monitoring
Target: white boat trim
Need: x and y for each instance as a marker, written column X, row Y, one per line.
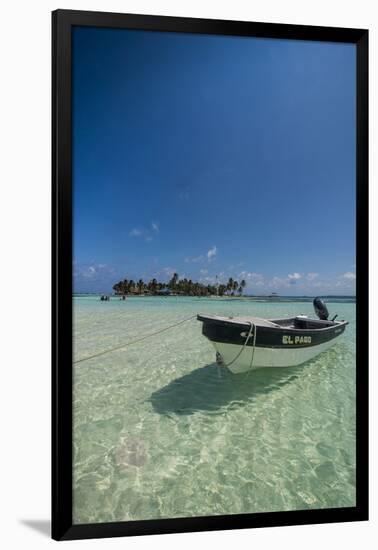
column 260, row 357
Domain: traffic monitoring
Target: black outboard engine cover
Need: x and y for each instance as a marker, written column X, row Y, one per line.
column 320, row 309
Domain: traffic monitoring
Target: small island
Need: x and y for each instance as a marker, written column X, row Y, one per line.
column 178, row 287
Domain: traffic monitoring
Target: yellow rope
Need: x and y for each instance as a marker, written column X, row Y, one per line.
column 133, row 341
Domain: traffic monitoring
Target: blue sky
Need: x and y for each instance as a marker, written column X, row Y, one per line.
column 212, row 155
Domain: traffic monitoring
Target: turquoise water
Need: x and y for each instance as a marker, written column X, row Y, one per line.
column 161, row 431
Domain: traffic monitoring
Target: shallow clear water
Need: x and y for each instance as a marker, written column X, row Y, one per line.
column 161, row 431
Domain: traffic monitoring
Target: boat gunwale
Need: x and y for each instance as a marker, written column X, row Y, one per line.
column 233, row 321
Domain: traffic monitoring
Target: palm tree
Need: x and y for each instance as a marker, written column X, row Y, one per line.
column 183, row 286
column 140, row 286
column 172, row 283
column 124, row 286
column 222, row 289
column 242, row 285
column 230, row 284
column 117, row 288
column 154, row 285
column 235, row 286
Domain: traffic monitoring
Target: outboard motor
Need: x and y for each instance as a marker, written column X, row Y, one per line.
column 320, row 309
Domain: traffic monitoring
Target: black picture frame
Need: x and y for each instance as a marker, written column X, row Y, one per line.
column 62, row 524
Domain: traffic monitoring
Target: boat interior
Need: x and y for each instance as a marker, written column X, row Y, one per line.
column 300, row 322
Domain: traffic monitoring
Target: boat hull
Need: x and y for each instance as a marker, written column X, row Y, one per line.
column 259, row 357
column 248, row 343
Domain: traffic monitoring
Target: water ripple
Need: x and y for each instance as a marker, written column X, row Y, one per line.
column 160, row 430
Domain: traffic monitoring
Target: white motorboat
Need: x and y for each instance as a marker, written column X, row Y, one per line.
column 245, row 343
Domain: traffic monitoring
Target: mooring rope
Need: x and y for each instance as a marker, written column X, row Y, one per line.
column 253, row 349
column 127, row 344
column 244, row 345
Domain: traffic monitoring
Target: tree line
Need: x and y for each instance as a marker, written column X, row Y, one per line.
column 175, row 285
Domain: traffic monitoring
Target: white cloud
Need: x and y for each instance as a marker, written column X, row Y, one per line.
column 349, row 275
column 278, row 282
column 146, row 234
column 211, row 253
column 162, row 274
column 310, row 283
column 168, row 271
column 136, row 232
column 184, row 195
column 252, row 278
column 235, row 266
column 195, row 259
column 307, row 283
column 91, row 271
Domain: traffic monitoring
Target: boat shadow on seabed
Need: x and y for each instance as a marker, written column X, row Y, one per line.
column 216, row 390
column 213, row 389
